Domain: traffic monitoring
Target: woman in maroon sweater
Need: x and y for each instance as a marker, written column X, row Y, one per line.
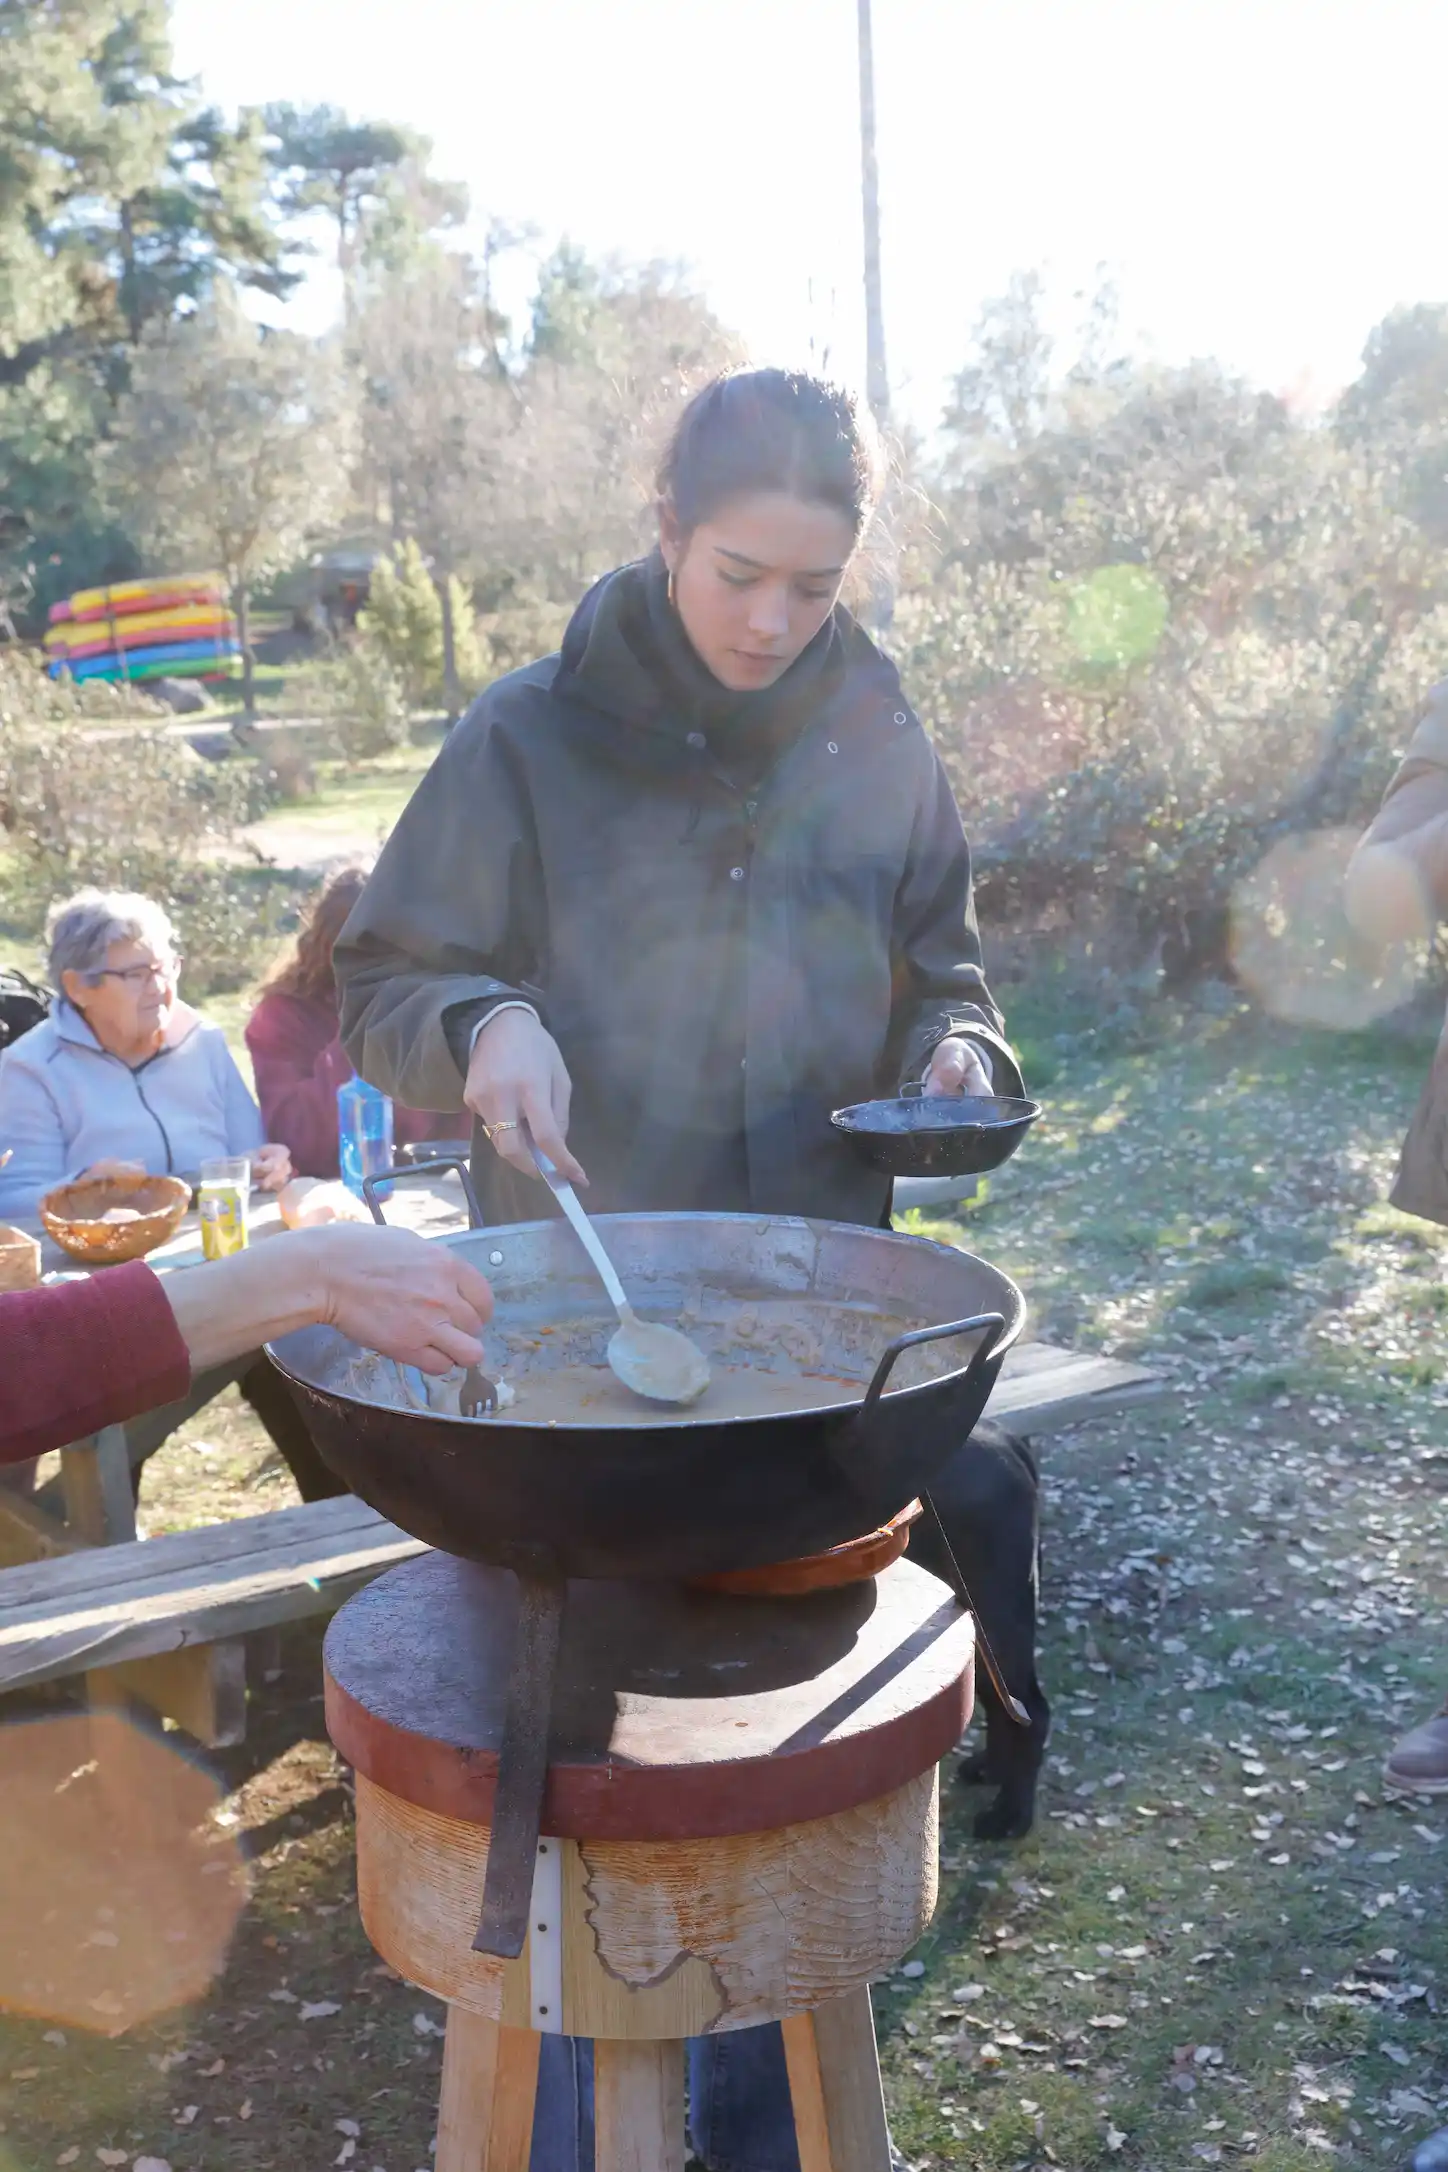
column 296, row 1055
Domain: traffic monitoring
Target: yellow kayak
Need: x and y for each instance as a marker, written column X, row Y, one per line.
column 128, row 596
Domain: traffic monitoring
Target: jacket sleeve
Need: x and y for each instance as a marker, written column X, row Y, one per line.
column 296, row 1084
column 135, row 1359
column 444, row 930
column 939, row 981
column 1397, row 882
column 30, row 1126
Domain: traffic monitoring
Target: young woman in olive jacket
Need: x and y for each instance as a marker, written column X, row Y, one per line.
column 672, row 896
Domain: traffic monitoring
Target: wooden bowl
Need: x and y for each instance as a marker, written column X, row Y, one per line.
column 73, row 1213
column 19, row 1259
column 851, row 1563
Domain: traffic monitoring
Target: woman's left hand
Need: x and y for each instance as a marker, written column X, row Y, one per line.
column 957, row 1067
column 271, row 1167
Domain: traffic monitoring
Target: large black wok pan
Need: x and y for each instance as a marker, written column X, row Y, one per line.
column 919, row 1328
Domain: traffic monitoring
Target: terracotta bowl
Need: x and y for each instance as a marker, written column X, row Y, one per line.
column 851, row 1563
column 73, row 1213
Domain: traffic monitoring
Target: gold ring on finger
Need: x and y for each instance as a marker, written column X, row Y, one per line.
column 490, row 1131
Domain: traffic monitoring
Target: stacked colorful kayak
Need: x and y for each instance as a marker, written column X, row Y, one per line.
column 175, row 627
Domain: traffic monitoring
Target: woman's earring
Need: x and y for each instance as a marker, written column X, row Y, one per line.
column 673, row 599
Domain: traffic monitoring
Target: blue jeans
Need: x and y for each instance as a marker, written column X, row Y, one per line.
column 740, row 2116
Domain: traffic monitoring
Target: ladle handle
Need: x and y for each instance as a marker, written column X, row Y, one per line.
column 583, row 1228
column 456, row 1162
column 989, row 1325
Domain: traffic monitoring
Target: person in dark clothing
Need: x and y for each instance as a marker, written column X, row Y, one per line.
column 669, row 898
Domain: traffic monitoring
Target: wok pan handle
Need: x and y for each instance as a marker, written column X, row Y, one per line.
column 457, row 1162
column 992, row 1322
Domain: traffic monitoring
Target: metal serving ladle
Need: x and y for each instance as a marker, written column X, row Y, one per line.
column 657, row 1363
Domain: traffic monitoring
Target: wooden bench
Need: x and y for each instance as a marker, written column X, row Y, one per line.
column 134, row 1618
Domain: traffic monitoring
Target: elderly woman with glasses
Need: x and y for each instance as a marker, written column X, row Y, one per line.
column 122, row 1075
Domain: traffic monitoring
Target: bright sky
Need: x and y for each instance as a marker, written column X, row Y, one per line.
column 1263, row 178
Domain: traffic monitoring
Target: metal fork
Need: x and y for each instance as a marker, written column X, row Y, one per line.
column 478, row 1397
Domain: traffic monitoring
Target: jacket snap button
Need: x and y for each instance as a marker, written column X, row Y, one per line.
column 834, row 746
column 697, row 739
column 736, row 874
column 900, row 717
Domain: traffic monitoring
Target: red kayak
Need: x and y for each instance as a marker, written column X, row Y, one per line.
column 189, row 622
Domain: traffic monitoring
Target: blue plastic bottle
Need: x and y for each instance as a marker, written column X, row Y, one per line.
column 364, row 1134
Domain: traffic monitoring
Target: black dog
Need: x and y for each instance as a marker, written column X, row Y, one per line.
column 988, row 1498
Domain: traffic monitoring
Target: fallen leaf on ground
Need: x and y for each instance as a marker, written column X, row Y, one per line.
column 319, row 2010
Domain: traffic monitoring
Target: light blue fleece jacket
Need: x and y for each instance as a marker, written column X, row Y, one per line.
column 65, row 1103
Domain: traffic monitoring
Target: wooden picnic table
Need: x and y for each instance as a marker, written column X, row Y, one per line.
column 203, row 1688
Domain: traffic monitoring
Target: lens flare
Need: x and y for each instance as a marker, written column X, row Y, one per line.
column 1116, row 616
column 118, row 1896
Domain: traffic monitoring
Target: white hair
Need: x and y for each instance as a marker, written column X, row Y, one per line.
column 81, row 930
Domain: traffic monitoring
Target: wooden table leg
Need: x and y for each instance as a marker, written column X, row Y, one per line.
column 638, row 2105
column 202, row 1688
column 834, row 2080
column 100, row 1503
column 489, row 2082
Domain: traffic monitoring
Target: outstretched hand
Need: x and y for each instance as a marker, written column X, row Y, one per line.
column 393, row 1291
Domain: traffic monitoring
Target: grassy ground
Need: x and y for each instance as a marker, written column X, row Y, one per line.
column 1222, row 1944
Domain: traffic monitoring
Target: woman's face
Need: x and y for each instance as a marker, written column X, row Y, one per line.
column 129, row 1006
column 754, row 584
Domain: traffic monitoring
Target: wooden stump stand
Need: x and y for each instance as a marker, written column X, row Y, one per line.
column 739, row 1827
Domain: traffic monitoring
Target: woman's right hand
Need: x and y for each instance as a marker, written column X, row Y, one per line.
column 517, row 1075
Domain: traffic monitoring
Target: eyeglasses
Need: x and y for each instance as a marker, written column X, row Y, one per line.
column 136, row 976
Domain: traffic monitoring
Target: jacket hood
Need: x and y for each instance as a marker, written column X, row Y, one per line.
column 626, row 654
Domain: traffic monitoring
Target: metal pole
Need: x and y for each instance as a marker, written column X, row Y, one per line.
column 877, row 383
